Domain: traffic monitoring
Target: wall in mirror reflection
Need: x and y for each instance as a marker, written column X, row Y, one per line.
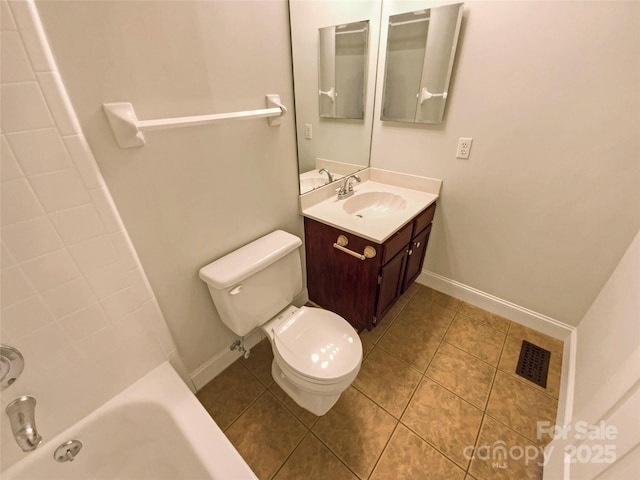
column 420, row 51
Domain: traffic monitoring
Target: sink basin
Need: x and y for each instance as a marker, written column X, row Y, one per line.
column 374, row 204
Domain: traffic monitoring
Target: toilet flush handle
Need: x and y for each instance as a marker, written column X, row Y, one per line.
column 236, row 290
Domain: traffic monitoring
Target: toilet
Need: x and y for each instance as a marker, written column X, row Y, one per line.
column 316, row 353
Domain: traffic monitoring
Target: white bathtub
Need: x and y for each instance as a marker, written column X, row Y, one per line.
column 155, row 429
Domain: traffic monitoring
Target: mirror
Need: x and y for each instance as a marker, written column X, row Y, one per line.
column 342, row 68
column 421, row 47
column 335, row 136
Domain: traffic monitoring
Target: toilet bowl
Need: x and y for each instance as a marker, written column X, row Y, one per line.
column 316, row 356
column 316, row 353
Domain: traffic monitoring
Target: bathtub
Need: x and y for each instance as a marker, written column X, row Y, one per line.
column 155, row 429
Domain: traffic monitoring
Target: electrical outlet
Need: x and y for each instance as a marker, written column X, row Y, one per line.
column 308, row 131
column 464, row 147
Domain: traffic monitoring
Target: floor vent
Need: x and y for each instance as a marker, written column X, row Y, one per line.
column 533, row 363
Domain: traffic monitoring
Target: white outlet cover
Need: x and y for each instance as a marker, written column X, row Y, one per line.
column 464, row 147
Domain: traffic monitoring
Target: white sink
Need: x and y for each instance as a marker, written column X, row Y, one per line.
column 374, row 204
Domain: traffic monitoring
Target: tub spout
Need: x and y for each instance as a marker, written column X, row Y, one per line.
column 22, row 416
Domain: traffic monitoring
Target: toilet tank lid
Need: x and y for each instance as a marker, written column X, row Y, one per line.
column 245, row 261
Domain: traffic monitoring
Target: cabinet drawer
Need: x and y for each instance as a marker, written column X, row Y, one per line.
column 397, row 242
column 423, row 219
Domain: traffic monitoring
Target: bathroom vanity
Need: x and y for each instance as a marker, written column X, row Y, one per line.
column 362, row 253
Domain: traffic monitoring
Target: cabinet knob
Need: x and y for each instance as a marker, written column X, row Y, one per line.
column 417, row 244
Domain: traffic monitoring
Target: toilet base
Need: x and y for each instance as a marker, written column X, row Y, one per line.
column 316, row 403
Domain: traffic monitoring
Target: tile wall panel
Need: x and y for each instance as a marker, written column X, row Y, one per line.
column 74, row 298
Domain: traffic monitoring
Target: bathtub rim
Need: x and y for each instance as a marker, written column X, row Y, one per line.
column 164, row 387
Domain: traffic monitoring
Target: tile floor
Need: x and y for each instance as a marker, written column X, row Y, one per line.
column 438, row 378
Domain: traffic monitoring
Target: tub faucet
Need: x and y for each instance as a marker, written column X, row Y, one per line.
column 346, row 190
column 328, row 174
column 22, row 416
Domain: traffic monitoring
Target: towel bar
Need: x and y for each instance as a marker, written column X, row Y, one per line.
column 128, row 129
column 342, row 242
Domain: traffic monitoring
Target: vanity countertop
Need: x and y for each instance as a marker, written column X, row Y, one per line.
column 417, row 192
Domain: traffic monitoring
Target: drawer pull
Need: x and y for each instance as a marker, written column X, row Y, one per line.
column 342, row 242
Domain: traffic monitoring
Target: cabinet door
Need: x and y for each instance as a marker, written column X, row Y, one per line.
column 417, row 250
column 390, row 281
column 337, row 281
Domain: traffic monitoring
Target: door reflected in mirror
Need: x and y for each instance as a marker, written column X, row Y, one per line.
column 342, row 70
column 421, row 48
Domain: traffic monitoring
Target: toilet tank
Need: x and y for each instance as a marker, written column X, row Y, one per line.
column 252, row 284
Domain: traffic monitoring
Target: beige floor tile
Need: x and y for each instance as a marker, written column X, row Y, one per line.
column 265, row 435
column 259, row 361
column 356, row 430
column 444, row 420
column 520, row 407
column 413, row 289
column 408, row 457
column 366, row 348
column 476, row 338
column 384, row 323
column 440, row 298
column 311, row 460
column 433, row 318
column 462, row 373
column 229, row 394
column 387, row 381
column 509, row 362
column 502, row 454
column 413, row 345
column 305, row 416
column 547, row 342
column 491, row 319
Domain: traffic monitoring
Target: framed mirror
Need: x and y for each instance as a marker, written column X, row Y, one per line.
column 421, row 48
column 342, row 70
column 334, row 138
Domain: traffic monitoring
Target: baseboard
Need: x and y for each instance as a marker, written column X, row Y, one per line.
column 516, row 313
column 523, row 316
column 216, row 364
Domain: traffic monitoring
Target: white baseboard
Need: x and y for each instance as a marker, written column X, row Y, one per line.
column 516, row 313
column 216, row 364
column 523, row 316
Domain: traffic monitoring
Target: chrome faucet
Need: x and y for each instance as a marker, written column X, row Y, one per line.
column 346, row 190
column 328, row 174
column 23, row 422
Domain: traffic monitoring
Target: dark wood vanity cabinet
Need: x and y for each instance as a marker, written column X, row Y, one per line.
column 362, row 291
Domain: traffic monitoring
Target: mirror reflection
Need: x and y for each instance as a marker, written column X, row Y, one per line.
column 334, row 138
column 342, row 68
column 421, row 48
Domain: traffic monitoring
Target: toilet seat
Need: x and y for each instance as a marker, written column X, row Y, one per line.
column 317, row 346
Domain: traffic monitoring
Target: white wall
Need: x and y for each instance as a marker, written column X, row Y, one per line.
column 607, row 378
column 189, row 195
column 549, row 200
column 75, row 300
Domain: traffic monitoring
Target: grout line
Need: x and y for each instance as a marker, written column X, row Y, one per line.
column 384, row 449
column 290, row 453
column 334, row 453
column 437, row 448
column 250, row 403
